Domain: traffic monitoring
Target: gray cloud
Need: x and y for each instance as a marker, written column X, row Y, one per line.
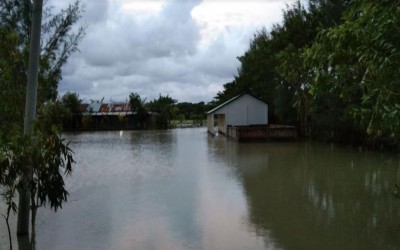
column 96, row 11
column 160, row 53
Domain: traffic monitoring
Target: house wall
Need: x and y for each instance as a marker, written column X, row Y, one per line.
column 245, row 111
column 222, row 126
column 210, row 123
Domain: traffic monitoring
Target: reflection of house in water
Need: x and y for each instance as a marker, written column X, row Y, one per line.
column 245, row 117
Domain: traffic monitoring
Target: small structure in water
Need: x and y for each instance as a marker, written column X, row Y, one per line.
column 245, row 117
column 266, row 132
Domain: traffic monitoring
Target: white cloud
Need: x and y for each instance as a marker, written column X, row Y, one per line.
column 186, row 49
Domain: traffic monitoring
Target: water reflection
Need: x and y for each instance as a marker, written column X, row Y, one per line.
column 313, row 196
column 183, row 189
column 149, row 190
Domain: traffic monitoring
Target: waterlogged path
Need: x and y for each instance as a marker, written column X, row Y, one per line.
column 183, row 189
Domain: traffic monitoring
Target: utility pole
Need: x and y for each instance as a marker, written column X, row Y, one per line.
column 30, row 112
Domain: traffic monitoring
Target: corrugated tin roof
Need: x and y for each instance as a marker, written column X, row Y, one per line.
column 94, row 107
column 104, row 107
column 84, row 107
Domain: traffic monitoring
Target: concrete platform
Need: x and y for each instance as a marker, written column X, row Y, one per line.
column 262, row 132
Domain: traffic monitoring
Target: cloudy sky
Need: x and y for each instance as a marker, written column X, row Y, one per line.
column 186, row 49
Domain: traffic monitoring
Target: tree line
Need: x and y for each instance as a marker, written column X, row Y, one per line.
column 331, row 68
column 155, row 114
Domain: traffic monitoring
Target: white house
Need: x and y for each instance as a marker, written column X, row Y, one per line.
column 242, row 110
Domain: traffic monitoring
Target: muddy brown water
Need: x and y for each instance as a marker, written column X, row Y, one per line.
column 184, row 189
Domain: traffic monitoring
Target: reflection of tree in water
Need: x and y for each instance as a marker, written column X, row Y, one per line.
column 317, row 197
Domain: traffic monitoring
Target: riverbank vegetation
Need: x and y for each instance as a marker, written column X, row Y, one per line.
column 135, row 113
column 331, row 68
column 34, row 160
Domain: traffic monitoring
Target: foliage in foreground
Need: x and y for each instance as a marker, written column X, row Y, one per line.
column 45, row 151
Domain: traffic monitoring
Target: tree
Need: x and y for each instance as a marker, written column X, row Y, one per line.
column 13, row 74
column 50, row 155
column 30, row 113
column 138, row 107
column 72, row 103
column 165, row 108
column 358, row 61
column 230, row 90
column 273, row 67
column 298, row 31
column 256, row 74
column 44, row 155
column 294, row 73
column 58, row 42
column 10, row 155
column 192, row 111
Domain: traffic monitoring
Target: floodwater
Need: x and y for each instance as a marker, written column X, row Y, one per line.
column 183, row 189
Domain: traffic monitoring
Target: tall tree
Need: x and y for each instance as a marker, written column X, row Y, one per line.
column 72, row 103
column 12, row 68
column 257, row 73
column 30, row 113
column 57, row 43
column 166, row 109
column 359, row 62
column 272, row 68
column 297, row 32
column 137, row 105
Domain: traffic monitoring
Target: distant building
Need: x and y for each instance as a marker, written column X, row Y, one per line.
column 242, row 110
column 113, row 108
column 113, row 115
column 84, row 107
